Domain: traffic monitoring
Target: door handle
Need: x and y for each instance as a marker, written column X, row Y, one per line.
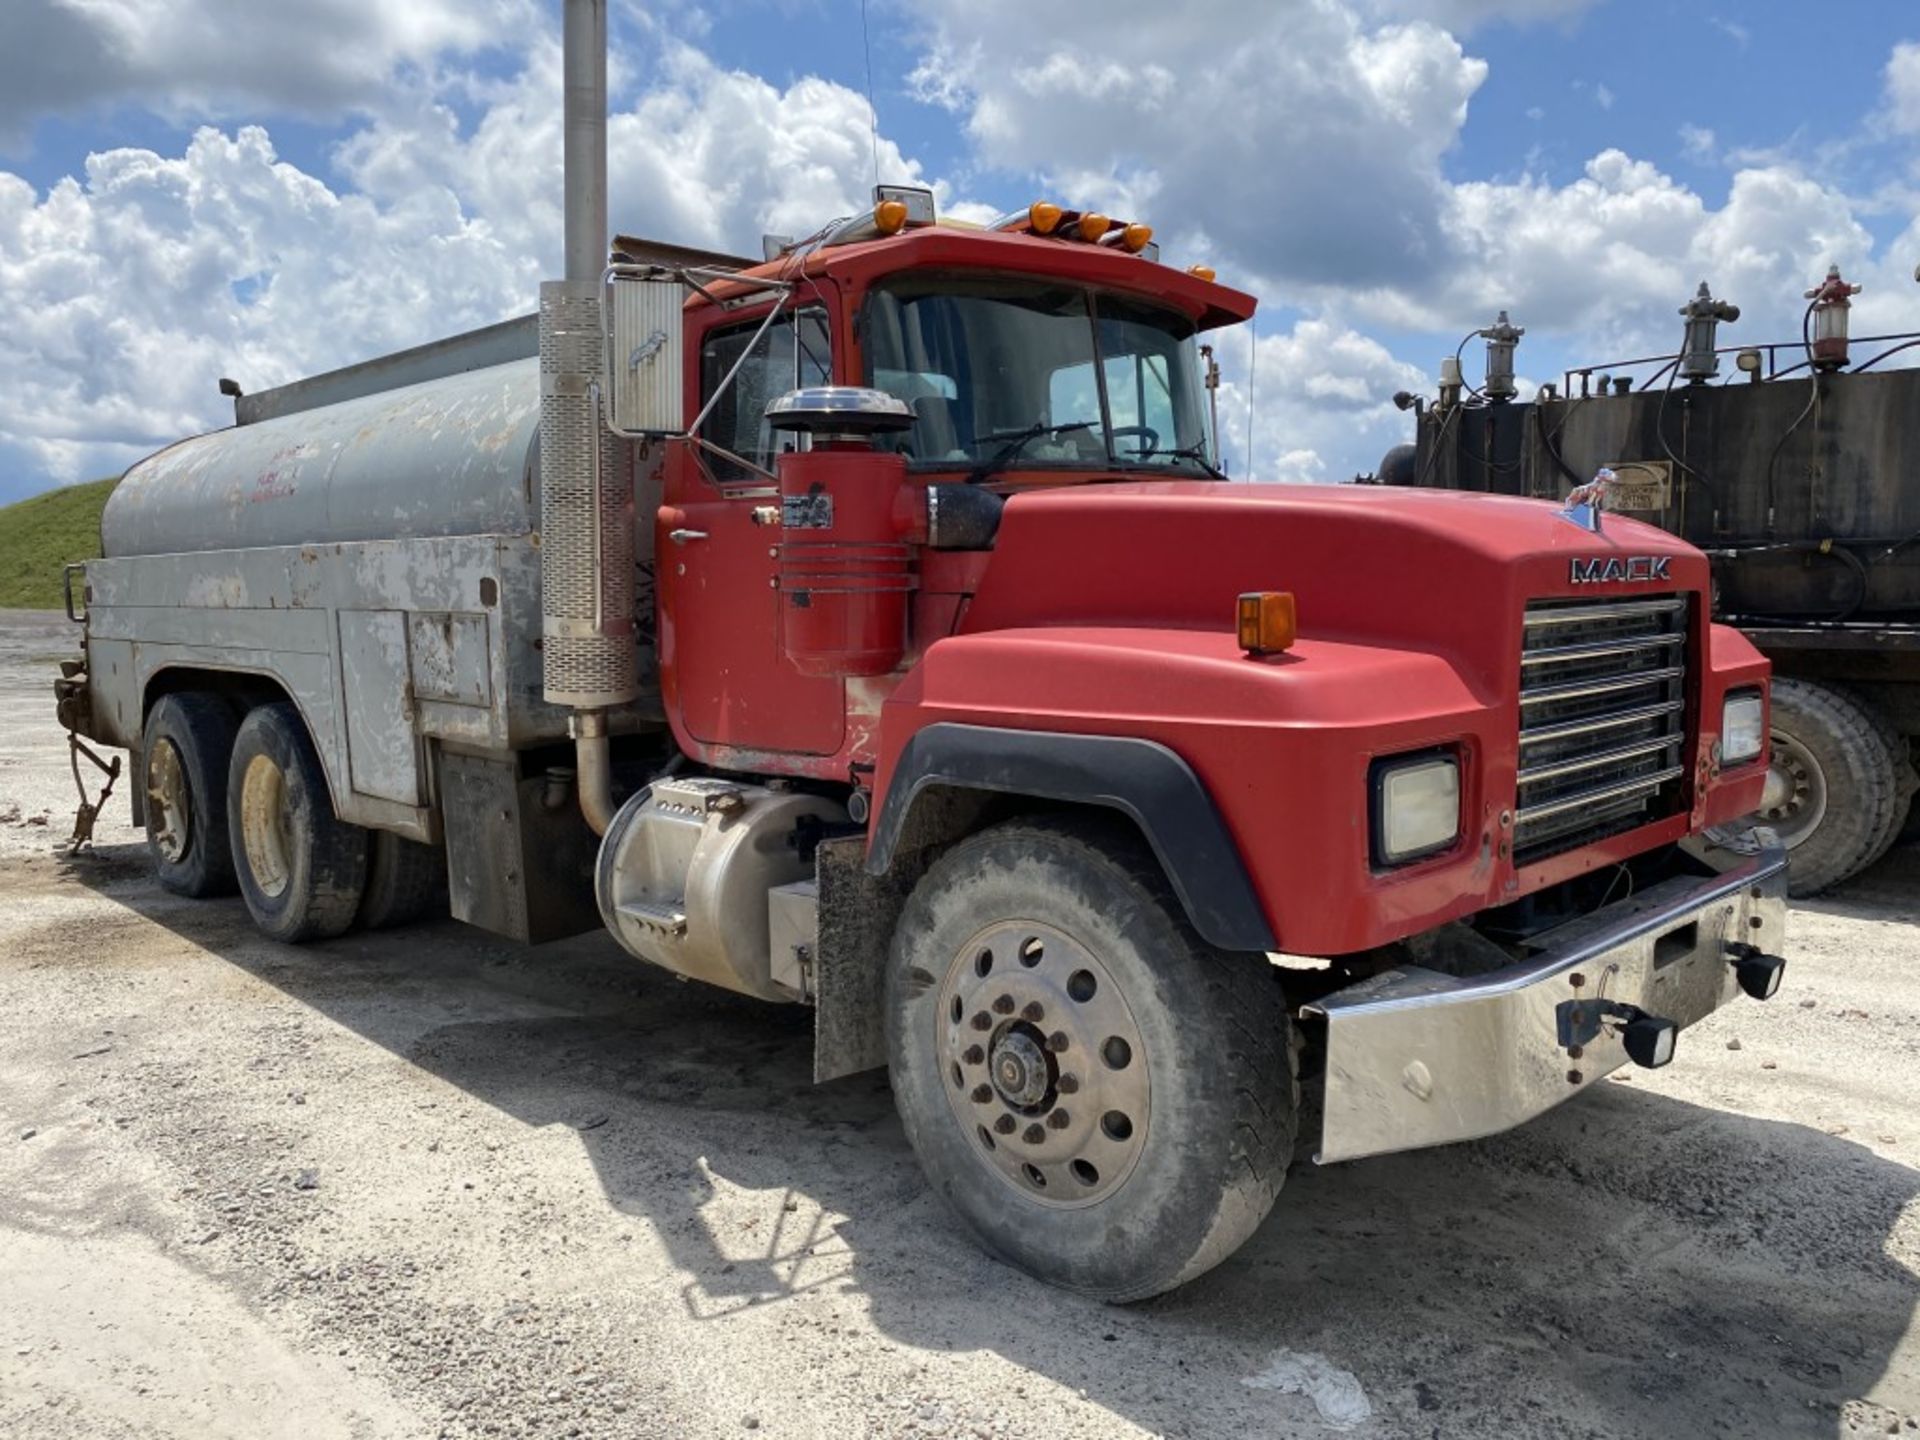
column 681, row 537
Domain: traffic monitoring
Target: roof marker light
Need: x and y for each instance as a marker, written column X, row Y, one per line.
column 1043, row 217
column 1093, row 225
column 890, row 216
column 1134, row 238
column 1201, row 272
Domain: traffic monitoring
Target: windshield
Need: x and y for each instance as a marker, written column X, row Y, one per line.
column 1064, row 376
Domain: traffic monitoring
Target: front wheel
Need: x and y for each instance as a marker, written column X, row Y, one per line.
column 1108, row 1102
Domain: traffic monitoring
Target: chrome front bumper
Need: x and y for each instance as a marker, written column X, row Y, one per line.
column 1417, row 1058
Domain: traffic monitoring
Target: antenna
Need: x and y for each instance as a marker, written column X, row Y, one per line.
column 1253, row 354
column 873, row 111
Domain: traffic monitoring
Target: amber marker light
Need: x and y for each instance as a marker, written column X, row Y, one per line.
column 1043, row 217
column 1201, row 272
column 1267, row 621
column 1093, row 225
column 890, row 217
column 1135, row 238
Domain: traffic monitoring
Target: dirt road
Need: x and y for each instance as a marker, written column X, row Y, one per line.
column 427, row 1185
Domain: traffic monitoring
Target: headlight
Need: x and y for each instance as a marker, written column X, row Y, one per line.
column 1416, row 807
column 1742, row 727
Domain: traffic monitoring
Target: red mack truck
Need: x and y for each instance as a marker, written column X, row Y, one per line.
column 868, row 628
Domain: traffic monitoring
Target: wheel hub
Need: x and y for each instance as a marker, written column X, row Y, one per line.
column 1045, row 1066
column 171, row 801
column 1020, row 1070
column 265, row 826
column 1794, row 801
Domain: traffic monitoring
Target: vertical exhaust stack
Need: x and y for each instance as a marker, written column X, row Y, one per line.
column 589, row 661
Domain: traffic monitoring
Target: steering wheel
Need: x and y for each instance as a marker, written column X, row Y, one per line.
column 1146, row 432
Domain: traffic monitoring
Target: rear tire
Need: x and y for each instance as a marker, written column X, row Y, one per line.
column 184, row 751
column 302, row 871
column 406, row 881
column 1106, row 1101
column 1833, row 788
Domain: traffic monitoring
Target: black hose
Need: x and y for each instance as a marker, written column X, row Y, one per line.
column 1837, row 549
column 1869, row 364
column 1433, row 454
column 1552, row 449
column 1813, row 394
column 1660, row 430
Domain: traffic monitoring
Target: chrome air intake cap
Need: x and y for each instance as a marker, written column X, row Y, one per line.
column 839, row 410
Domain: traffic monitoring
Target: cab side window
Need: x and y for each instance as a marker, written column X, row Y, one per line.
column 793, row 352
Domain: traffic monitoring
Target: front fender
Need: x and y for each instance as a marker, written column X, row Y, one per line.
column 1141, row 779
column 1163, row 721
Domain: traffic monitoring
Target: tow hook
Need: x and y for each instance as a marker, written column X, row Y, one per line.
column 1758, row 972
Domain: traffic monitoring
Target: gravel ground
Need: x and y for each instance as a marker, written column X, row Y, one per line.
column 432, row 1185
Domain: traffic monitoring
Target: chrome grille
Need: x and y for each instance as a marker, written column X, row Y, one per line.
column 1602, row 720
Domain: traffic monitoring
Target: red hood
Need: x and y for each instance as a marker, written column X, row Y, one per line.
column 1419, row 569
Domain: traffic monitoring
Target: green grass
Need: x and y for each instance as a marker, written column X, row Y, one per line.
column 40, row 535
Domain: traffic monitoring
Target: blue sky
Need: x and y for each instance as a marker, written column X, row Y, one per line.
column 1383, row 173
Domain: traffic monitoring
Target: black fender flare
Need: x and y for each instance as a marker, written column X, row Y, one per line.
column 1142, row 779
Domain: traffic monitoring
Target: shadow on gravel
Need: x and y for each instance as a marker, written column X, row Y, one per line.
column 1887, row 891
column 1629, row 1265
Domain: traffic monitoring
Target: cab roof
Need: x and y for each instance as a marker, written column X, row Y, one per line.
column 1007, row 252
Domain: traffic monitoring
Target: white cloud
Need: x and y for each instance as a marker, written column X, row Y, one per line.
column 1310, row 125
column 1902, row 79
column 1697, row 143
column 1323, row 397
column 1309, row 159
column 201, row 58
column 131, row 289
column 1603, row 97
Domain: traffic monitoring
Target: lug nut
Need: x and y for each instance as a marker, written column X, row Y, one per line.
column 1059, row 1120
column 1067, row 1084
column 1004, row 1125
column 1057, row 1042
column 983, row 1021
column 1033, row 1012
column 974, row 1055
column 1004, row 1005
column 1034, row 1135
column 982, row 1094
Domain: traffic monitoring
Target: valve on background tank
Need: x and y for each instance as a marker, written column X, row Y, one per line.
column 1698, row 363
column 1832, row 301
column 1502, row 337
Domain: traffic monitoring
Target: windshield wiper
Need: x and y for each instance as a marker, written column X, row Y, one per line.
column 1015, row 442
column 1197, row 452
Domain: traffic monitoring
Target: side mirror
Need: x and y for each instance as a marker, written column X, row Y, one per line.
column 644, row 344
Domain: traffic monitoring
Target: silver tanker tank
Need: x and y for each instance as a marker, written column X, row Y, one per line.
column 449, row 456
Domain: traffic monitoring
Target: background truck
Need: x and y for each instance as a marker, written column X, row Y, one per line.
column 864, row 629
column 1794, row 472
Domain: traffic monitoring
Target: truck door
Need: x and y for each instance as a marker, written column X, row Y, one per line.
column 720, row 647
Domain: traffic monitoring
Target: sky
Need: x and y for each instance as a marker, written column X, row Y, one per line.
column 198, row 188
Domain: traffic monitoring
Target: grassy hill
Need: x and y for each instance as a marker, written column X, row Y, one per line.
column 40, row 535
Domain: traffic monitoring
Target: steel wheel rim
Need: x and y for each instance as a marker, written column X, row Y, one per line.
column 266, row 828
column 170, row 801
column 1795, row 800
column 1043, row 1064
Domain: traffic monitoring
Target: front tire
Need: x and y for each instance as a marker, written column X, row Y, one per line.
column 1106, row 1101
column 302, row 870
